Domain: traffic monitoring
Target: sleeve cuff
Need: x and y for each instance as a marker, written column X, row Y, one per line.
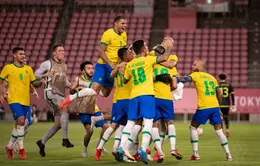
column 2, row 78
column 126, row 79
column 104, row 43
column 157, row 60
column 33, row 81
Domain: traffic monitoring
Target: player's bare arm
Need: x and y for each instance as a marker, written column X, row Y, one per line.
column 219, row 95
column 38, row 83
column 169, row 64
column 101, row 51
column 1, row 92
column 174, row 83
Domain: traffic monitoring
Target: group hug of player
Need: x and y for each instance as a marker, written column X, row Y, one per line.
column 143, row 98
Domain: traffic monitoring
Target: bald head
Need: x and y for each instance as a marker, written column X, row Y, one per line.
column 199, row 65
column 168, row 43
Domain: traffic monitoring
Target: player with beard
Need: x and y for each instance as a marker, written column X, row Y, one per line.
column 20, row 77
column 86, row 106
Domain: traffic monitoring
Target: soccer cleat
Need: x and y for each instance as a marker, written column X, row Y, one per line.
column 64, row 103
column 22, row 154
column 9, row 153
column 127, row 160
column 194, row 157
column 41, row 147
column 137, row 157
column 227, row 133
column 229, row 158
column 66, row 142
column 114, row 153
column 143, row 155
column 160, row 158
column 148, row 151
column 156, row 156
column 176, row 154
column 98, row 154
column 84, row 153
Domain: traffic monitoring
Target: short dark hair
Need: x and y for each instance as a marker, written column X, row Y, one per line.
column 121, row 52
column 118, row 18
column 15, row 49
column 56, row 45
column 137, row 46
column 222, row 76
column 82, row 65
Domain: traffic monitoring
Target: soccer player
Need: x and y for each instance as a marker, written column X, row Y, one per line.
column 227, row 91
column 209, row 97
column 164, row 106
column 84, row 106
column 54, row 71
column 19, row 77
column 120, row 108
column 140, row 72
column 112, row 40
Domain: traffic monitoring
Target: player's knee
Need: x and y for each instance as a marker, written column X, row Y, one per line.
column 170, row 122
column 155, row 124
column 20, row 121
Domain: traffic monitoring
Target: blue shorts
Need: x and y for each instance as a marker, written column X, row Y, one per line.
column 19, row 110
column 141, row 107
column 120, row 111
column 212, row 114
column 102, row 75
column 86, row 119
column 164, row 109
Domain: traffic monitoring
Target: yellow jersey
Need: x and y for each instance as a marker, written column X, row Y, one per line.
column 140, row 69
column 206, row 86
column 124, row 90
column 96, row 108
column 114, row 41
column 19, row 81
column 162, row 90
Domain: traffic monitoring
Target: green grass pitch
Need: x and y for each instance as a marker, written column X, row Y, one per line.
column 244, row 144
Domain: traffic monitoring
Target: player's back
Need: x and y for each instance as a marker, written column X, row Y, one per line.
column 162, row 90
column 227, row 90
column 141, row 71
column 114, row 41
column 123, row 90
column 205, row 85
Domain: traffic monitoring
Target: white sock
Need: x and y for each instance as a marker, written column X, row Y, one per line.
column 82, row 93
column 146, row 133
column 12, row 139
column 133, row 137
column 20, row 135
column 135, row 147
column 126, row 132
column 105, row 137
column 162, row 137
column 223, row 141
column 118, row 135
column 156, row 140
column 194, row 138
column 172, row 136
column 98, row 118
column 26, row 128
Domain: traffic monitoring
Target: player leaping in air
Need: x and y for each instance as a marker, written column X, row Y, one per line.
column 112, row 40
column 209, row 97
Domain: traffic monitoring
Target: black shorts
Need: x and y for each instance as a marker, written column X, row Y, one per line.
column 225, row 110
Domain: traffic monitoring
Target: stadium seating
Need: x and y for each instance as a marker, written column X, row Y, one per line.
column 85, row 32
column 104, row 3
column 224, row 50
column 31, row 30
column 32, row 2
